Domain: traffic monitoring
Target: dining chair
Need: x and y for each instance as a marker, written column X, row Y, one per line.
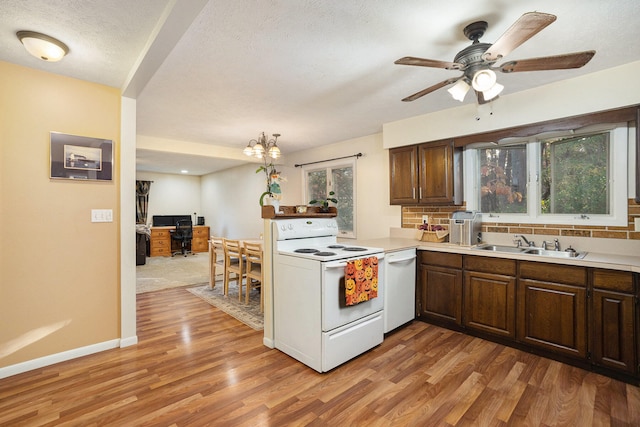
column 216, row 260
column 254, row 272
column 233, row 265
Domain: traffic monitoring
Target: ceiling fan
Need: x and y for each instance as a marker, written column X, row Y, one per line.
column 477, row 60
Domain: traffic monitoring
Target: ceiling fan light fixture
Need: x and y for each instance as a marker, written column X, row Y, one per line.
column 492, row 92
column 484, row 80
column 459, row 90
column 42, row 46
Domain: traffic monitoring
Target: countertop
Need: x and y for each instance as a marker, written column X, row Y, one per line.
column 591, row 259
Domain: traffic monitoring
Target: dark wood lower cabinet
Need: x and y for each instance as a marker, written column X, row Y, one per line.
column 553, row 316
column 489, row 303
column 439, row 289
column 614, row 320
column 581, row 315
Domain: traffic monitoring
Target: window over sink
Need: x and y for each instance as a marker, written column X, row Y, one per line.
column 567, row 177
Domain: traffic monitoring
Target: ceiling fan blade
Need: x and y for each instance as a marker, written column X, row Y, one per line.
column 558, row 62
column 410, row 60
column 435, row 87
column 527, row 26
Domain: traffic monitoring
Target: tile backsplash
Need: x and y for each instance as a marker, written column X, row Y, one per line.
column 412, row 218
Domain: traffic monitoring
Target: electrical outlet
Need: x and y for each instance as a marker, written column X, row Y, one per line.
column 636, row 222
column 101, row 215
column 425, row 219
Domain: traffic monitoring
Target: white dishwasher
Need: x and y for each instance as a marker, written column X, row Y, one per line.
column 400, row 288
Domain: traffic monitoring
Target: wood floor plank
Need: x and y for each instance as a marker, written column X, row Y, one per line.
column 196, row 366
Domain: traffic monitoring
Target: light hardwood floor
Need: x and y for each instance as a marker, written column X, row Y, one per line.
column 195, row 366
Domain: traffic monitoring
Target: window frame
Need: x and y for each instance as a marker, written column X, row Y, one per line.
column 328, row 166
column 618, row 180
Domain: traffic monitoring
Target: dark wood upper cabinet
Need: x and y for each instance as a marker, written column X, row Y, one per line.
column 429, row 173
column 403, row 172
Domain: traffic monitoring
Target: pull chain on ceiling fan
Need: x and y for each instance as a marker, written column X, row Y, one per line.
column 477, row 60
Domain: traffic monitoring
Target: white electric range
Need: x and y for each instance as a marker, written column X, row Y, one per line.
column 312, row 321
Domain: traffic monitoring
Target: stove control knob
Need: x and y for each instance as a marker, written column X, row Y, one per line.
column 282, row 227
column 290, row 226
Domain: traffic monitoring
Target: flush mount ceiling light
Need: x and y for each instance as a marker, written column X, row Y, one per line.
column 262, row 147
column 43, row 46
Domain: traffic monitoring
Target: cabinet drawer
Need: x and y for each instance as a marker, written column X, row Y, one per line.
column 160, row 243
column 490, row 265
column 159, row 234
column 199, row 246
column 566, row 274
column 160, row 251
column 621, row 281
column 442, row 259
column 201, row 232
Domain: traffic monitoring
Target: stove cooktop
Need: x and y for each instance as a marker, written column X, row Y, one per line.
column 329, row 252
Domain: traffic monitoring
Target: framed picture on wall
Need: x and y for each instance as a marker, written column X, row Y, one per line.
column 81, row 157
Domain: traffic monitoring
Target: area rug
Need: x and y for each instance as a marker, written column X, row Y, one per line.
column 172, row 272
column 248, row 314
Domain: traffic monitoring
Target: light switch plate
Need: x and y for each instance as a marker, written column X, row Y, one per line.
column 101, row 215
column 636, row 222
column 425, row 219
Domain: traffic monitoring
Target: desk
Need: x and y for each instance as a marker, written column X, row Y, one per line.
column 161, row 243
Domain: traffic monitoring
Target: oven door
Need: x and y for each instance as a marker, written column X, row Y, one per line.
column 335, row 311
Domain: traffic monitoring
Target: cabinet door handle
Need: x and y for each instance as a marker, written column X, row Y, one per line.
column 420, row 192
column 413, row 196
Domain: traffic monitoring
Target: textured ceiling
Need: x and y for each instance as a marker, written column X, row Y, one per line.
column 316, row 71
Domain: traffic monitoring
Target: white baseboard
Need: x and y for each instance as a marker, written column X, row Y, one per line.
column 268, row 342
column 30, row 365
column 128, row 341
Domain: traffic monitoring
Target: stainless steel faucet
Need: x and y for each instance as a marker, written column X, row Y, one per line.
column 530, row 243
column 556, row 245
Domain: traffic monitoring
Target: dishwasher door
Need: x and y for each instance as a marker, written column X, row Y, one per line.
column 400, row 288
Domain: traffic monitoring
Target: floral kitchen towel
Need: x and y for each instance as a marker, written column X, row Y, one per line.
column 361, row 280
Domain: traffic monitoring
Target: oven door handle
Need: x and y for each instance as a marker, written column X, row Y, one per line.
column 343, row 264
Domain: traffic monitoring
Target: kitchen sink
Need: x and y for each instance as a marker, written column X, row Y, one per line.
column 531, row 251
column 555, row 254
column 501, row 248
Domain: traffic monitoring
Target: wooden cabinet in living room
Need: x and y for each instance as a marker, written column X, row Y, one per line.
column 552, row 308
column 439, row 288
column 161, row 244
column 429, row 173
column 614, row 320
column 490, row 295
column 200, row 242
column 160, row 241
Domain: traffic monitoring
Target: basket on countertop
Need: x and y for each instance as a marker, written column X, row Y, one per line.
column 434, row 236
column 426, row 232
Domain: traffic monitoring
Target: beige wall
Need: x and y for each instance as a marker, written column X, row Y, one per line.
column 59, row 273
column 230, row 197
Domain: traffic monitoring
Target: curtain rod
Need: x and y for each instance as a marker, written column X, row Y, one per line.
column 329, row 160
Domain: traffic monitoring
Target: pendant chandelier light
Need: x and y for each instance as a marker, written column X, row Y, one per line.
column 262, row 147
